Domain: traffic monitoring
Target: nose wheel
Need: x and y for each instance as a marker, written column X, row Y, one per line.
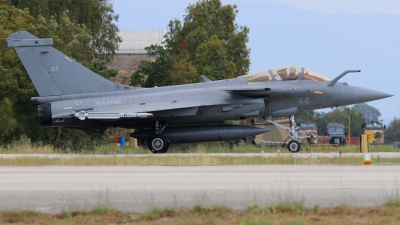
column 293, row 146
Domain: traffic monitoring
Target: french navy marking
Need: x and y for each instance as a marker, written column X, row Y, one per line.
column 108, row 102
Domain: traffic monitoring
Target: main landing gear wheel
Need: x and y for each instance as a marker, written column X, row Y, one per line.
column 158, row 144
column 293, row 146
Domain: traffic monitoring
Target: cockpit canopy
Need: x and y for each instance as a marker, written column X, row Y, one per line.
column 285, row 73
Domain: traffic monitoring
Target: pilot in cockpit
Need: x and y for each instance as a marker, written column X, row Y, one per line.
column 292, row 71
column 292, row 74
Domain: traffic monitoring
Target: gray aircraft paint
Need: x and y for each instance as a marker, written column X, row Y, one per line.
column 68, row 89
column 54, row 73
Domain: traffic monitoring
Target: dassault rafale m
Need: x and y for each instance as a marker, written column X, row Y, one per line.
column 73, row 96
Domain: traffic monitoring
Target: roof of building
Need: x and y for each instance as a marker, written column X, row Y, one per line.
column 135, row 41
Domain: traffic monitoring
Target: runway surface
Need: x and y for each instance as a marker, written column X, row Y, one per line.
column 142, row 188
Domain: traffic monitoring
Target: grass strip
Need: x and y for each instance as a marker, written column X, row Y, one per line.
column 25, row 146
column 199, row 160
column 285, row 213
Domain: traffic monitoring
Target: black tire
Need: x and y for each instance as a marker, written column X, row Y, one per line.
column 293, row 146
column 158, row 144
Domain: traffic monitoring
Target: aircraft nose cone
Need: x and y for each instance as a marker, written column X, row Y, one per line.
column 365, row 95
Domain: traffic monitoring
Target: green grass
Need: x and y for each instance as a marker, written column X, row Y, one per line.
column 283, row 213
column 141, row 157
column 179, row 160
column 24, row 146
column 394, row 198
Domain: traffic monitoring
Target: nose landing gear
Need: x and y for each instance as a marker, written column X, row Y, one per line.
column 294, row 145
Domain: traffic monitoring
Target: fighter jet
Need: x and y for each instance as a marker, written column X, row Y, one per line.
column 73, row 96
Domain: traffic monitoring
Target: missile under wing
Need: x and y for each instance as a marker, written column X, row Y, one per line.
column 73, row 96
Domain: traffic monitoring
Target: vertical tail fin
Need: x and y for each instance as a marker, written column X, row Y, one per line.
column 54, row 73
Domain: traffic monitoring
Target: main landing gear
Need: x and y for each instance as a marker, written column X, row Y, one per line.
column 157, row 143
column 294, row 145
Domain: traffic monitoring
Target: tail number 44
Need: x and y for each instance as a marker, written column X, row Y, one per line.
column 54, row 69
column 304, row 101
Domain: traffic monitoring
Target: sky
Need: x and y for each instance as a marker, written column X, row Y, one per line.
column 327, row 36
column 348, row 6
column 129, row 9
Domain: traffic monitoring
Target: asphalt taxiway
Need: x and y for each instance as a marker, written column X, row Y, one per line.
column 142, row 188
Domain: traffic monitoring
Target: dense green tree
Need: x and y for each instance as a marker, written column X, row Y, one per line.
column 69, row 38
column 15, row 85
column 182, row 72
column 305, row 116
column 97, row 16
column 151, row 73
column 103, row 70
column 369, row 112
column 207, row 42
column 341, row 115
column 392, row 133
column 7, row 121
column 17, row 117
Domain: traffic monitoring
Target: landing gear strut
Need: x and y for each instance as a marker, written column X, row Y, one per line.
column 294, row 145
column 157, row 143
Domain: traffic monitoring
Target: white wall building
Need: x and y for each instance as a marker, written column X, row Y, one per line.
column 134, row 42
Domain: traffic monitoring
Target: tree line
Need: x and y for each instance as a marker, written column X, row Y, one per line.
column 84, row 30
column 207, row 42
